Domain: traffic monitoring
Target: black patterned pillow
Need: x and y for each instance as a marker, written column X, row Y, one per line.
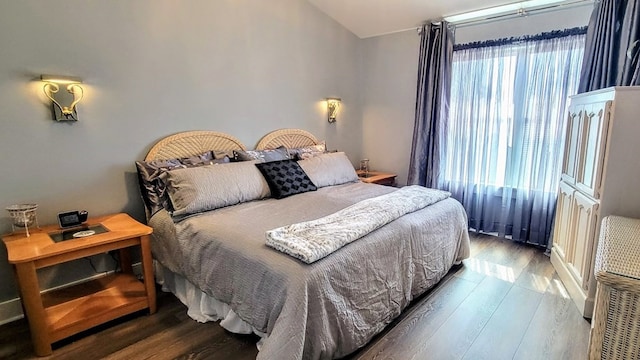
column 285, row 178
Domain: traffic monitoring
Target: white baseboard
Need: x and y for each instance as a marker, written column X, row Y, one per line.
column 11, row 310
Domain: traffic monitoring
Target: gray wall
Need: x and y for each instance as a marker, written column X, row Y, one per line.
column 152, row 68
column 389, row 84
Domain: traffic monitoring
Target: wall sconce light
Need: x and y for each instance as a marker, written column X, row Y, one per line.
column 332, row 109
column 72, row 96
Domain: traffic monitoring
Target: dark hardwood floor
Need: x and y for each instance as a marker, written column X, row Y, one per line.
column 505, row 302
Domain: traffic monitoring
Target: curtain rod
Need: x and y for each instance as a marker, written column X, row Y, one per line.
column 519, row 39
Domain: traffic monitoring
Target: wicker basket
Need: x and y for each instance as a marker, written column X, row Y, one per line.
column 615, row 328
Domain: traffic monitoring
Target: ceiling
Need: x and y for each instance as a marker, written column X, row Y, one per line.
column 367, row 18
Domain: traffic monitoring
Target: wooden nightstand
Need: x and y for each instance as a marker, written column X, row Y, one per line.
column 377, row 177
column 57, row 314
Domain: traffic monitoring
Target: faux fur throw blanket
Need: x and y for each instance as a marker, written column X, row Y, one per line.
column 312, row 240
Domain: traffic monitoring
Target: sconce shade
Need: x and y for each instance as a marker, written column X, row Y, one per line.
column 51, row 89
column 333, row 104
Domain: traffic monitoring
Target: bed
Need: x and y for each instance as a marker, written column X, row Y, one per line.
column 216, row 261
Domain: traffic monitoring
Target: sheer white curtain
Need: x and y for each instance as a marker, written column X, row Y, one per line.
column 506, row 132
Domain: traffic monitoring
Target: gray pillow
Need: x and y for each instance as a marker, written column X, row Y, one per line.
column 329, row 169
column 279, row 153
column 306, row 152
column 211, row 187
column 199, row 159
column 151, row 186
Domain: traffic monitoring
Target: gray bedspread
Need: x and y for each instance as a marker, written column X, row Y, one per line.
column 327, row 309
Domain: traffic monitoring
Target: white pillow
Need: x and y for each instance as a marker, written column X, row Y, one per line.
column 329, row 169
column 209, row 187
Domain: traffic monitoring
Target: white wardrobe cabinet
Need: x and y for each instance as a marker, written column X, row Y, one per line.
column 600, row 177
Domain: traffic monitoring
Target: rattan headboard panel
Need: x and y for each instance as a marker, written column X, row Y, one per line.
column 290, row 138
column 191, row 143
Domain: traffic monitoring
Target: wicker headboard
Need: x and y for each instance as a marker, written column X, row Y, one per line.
column 192, row 143
column 290, row 138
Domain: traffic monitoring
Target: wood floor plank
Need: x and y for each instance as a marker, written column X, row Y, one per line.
column 421, row 323
column 502, row 259
column 479, row 242
column 170, row 340
column 556, row 331
column 538, row 274
column 512, row 255
column 465, row 324
column 231, row 347
column 510, row 320
column 476, row 270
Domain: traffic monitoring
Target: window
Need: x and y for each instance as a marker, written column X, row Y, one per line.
column 506, row 131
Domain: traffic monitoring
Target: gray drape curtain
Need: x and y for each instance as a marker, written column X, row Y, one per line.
column 629, row 63
column 612, row 50
column 432, row 103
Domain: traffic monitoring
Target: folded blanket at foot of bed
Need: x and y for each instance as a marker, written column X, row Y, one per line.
column 312, row 240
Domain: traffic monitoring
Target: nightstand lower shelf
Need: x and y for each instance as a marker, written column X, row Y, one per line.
column 83, row 306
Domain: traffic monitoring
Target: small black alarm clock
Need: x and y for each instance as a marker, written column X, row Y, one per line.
column 72, row 218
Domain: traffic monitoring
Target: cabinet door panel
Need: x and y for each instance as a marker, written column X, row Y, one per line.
column 584, row 219
column 572, row 143
column 593, row 146
column 561, row 234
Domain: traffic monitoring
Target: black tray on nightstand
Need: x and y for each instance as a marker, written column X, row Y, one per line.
column 68, row 233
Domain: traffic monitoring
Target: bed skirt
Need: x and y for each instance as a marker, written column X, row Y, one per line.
column 202, row 307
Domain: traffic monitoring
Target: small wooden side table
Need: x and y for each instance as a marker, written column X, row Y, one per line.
column 57, row 314
column 377, row 177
